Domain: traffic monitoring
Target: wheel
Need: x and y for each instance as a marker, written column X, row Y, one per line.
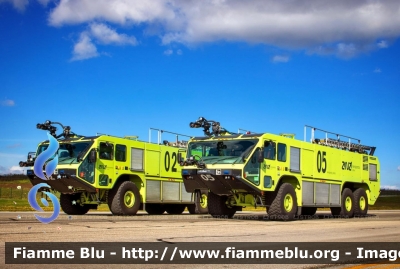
column 200, row 205
column 126, row 200
column 70, row 204
column 308, row 211
column 360, row 202
column 218, row 208
column 347, row 208
column 155, row 209
column 284, row 206
column 175, row 209
column 110, row 197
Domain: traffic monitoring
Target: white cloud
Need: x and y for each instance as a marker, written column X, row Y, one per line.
column 115, row 11
column 16, row 170
column 390, row 187
column 11, row 170
column 168, row 52
column 346, row 27
column 377, row 70
column 84, row 48
column 280, row 59
column 398, row 168
column 105, row 35
column 19, row 5
column 346, row 50
column 7, row 102
column 99, row 33
column 343, row 28
column 382, row 44
column 7, row 163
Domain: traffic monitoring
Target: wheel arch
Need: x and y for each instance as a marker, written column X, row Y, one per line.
column 353, row 186
column 270, row 196
column 295, row 184
column 134, row 178
column 137, row 180
column 366, row 188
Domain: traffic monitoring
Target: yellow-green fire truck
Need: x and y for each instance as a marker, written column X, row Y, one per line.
column 125, row 173
column 289, row 177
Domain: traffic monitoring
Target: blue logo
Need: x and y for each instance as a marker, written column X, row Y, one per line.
column 38, row 170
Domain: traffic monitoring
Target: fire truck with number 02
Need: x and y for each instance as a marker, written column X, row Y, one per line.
column 125, row 173
column 289, row 177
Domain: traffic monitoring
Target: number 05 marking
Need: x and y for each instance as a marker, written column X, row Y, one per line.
column 321, row 161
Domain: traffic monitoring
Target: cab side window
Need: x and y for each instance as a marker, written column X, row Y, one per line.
column 269, row 150
column 120, row 153
column 106, row 151
column 281, row 152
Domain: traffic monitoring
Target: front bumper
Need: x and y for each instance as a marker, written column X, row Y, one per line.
column 218, row 181
column 64, row 181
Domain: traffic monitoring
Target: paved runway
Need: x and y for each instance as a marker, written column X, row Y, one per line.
column 247, row 226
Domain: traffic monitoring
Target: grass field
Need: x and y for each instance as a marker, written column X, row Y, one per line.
column 14, row 197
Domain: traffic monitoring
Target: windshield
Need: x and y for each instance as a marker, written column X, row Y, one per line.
column 229, row 151
column 68, row 152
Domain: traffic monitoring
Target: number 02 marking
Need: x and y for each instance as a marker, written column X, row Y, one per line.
column 167, row 161
column 321, row 162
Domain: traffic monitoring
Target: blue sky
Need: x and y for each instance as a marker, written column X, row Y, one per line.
column 120, row 67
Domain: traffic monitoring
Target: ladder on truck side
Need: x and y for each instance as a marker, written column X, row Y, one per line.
column 177, row 143
column 349, row 145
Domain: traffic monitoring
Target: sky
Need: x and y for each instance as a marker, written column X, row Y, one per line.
column 120, row 67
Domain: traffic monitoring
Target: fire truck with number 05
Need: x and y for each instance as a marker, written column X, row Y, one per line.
column 125, row 173
column 289, row 177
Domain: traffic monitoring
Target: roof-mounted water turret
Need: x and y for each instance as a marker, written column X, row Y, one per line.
column 215, row 126
column 48, row 126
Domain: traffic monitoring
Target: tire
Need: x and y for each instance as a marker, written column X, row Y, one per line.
column 360, row 202
column 110, row 197
column 200, row 205
column 154, row 209
column 217, row 206
column 126, row 200
column 347, row 208
column 308, row 211
column 175, row 209
column 284, row 206
column 70, row 204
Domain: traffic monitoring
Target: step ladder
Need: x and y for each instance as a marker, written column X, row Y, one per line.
column 349, row 145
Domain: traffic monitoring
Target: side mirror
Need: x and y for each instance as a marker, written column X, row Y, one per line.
column 92, row 156
column 31, row 156
column 260, row 158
